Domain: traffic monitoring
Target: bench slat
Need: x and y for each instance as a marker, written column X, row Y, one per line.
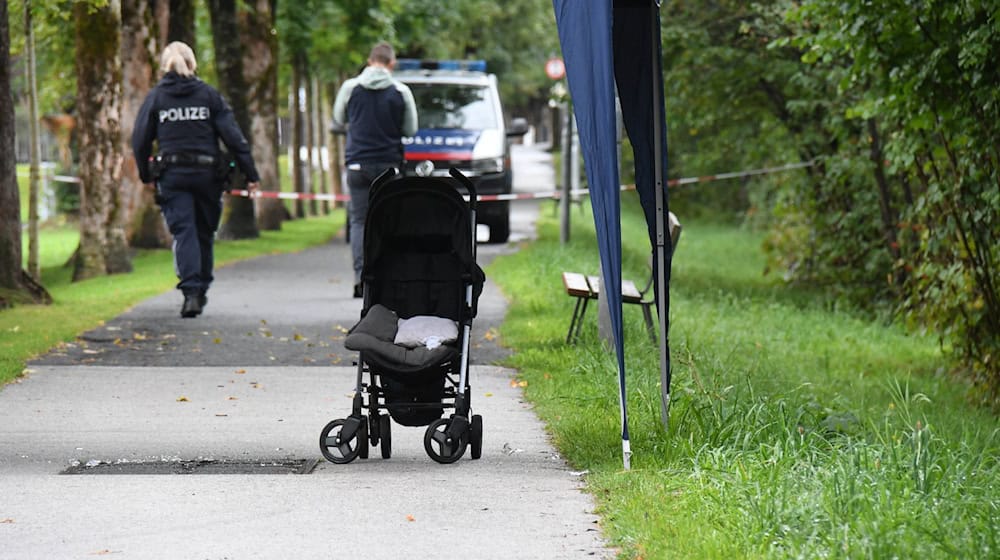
column 576, row 285
column 630, row 294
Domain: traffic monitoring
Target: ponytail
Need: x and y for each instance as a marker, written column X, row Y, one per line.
column 178, row 57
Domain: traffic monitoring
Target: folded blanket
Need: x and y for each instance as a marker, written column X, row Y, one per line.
column 426, row 330
column 376, row 334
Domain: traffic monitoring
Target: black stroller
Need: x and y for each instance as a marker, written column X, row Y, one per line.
column 420, row 269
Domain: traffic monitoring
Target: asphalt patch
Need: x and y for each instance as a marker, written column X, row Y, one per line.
column 199, row 466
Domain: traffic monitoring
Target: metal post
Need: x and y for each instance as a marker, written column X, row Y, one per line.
column 661, row 236
column 568, row 159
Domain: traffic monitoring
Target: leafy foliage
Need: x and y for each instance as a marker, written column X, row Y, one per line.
column 896, row 105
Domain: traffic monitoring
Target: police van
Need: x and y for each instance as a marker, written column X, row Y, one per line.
column 461, row 124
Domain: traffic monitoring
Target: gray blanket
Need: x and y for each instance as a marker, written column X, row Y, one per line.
column 374, row 335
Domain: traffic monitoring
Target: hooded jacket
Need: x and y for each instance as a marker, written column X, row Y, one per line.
column 187, row 116
column 379, row 111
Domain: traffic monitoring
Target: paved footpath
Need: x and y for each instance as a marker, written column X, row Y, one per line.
column 240, row 395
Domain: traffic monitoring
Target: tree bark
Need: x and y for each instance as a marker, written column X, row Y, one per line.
column 336, row 147
column 140, row 48
column 11, row 288
column 260, row 70
column 323, row 135
column 103, row 247
column 318, row 140
column 181, row 23
column 310, row 131
column 34, row 268
column 890, row 221
column 238, row 220
column 298, row 133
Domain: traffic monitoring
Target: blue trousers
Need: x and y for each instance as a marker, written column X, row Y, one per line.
column 191, row 202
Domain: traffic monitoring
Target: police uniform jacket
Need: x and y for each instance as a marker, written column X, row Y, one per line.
column 187, row 116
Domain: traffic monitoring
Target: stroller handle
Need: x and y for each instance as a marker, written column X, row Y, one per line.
column 461, row 178
column 384, row 177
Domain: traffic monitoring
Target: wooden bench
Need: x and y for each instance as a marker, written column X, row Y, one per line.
column 585, row 288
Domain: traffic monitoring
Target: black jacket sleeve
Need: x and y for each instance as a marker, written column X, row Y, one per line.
column 232, row 137
column 143, row 134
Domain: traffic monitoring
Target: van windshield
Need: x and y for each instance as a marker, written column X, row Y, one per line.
column 453, row 106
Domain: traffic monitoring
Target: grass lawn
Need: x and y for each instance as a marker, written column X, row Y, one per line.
column 28, row 330
column 798, row 428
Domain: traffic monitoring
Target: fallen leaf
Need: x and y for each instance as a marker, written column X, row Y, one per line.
column 241, row 371
column 217, row 340
column 182, row 399
column 298, row 337
column 410, row 518
column 138, row 336
column 522, row 383
column 491, row 334
column 7, row 520
column 233, row 398
column 488, row 395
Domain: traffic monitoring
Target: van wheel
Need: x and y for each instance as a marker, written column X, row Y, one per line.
column 500, row 230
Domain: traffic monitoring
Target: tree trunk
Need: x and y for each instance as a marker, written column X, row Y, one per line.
column 336, row 147
column 103, row 248
column 238, row 220
column 298, row 133
column 260, row 70
column 311, row 139
column 140, row 48
column 181, row 23
column 11, row 287
column 322, row 144
column 890, row 222
column 34, row 268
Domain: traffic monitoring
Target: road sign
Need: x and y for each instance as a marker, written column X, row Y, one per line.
column 555, row 68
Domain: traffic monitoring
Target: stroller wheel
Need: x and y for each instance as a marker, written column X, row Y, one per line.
column 337, row 442
column 385, row 433
column 440, row 446
column 476, row 436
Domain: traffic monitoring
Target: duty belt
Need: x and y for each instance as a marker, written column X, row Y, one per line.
column 198, row 160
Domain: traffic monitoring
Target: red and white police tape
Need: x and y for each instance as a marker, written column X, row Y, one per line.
column 535, row 195
column 511, row 196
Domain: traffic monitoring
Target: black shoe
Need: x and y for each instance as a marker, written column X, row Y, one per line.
column 202, row 300
column 191, row 307
column 358, row 291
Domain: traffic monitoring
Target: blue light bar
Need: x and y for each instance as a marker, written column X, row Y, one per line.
column 407, row 64
column 454, row 65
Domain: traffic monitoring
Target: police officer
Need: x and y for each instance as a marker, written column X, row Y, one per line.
column 186, row 118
